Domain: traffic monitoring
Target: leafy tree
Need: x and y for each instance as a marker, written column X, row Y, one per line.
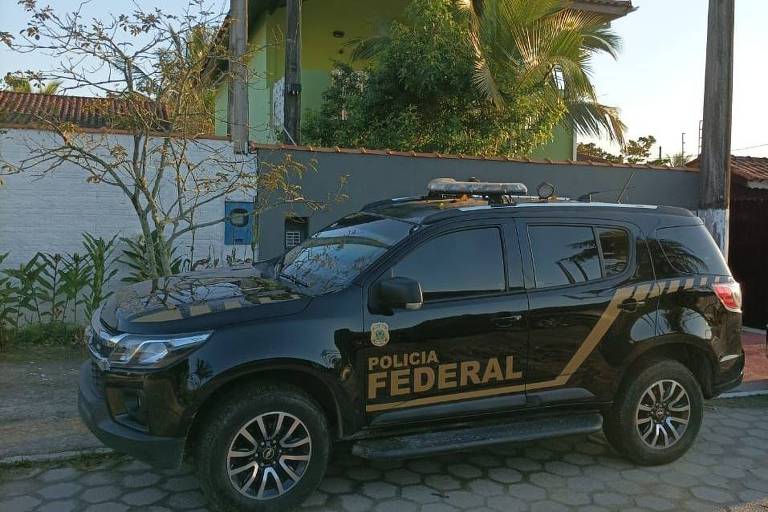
column 639, row 150
column 635, row 151
column 150, row 70
column 595, row 152
column 30, row 85
column 418, row 93
column 522, row 45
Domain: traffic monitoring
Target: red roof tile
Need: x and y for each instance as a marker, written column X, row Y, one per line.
column 748, row 168
column 20, row 108
column 257, row 146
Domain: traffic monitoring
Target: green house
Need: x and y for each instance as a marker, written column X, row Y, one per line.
column 326, row 26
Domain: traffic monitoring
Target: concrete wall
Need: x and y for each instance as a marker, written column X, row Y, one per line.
column 375, row 176
column 50, row 212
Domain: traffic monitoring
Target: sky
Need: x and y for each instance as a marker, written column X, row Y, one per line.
column 657, row 81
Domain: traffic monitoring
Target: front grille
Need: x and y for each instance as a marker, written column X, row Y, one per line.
column 97, row 377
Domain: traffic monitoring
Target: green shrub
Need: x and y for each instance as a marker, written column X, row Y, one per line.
column 44, row 301
column 50, row 334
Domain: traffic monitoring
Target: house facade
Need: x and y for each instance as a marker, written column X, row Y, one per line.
column 328, row 25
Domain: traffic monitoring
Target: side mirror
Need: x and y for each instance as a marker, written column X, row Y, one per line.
column 399, row 293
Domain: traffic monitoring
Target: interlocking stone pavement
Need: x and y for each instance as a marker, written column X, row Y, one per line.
column 726, row 469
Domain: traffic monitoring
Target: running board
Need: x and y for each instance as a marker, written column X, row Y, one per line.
column 430, row 443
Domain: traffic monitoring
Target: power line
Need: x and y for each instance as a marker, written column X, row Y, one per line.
column 750, row 147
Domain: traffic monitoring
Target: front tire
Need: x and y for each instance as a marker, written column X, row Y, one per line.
column 265, row 449
column 657, row 413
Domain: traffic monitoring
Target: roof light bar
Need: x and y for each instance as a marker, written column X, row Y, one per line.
column 479, row 188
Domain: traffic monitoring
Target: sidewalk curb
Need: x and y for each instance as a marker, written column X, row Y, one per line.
column 53, row 457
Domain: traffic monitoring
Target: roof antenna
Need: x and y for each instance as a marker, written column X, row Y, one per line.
column 624, row 188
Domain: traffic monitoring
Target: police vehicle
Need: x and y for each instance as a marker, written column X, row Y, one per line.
column 473, row 315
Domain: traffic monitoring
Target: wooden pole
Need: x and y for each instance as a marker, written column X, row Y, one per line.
column 715, row 180
column 292, row 94
column 238, row 45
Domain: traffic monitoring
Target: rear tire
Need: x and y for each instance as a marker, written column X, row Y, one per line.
column 264, row 449
column 657, row 413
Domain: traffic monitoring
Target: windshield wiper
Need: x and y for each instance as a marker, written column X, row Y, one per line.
column 294, row 280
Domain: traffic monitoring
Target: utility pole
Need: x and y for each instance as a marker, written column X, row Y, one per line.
column 682, row 146
column 238, row 104
column 715, row 179
column 292, row 97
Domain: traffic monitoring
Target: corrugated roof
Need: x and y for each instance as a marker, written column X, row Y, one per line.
column 612, row 9
column 256, row 146
column 748, row 168
column 21, row 108
column 621, row 4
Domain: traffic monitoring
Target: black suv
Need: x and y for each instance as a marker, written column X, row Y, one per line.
column 471, row 316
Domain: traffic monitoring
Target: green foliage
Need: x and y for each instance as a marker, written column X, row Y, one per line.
column 594, row 152
column 41, row 300
column 27, row 293
column 47, row 334
column 49, row 283
column 635, row 152
column 75, row 277
column 543, row 46
column 100, row 256
column 639, row 150
column 8, row 306
column 137, row 257
column 22, row 83
column 419, row 95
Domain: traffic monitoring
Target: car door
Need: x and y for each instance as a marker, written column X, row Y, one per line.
column 590, row 284
column 463, row 352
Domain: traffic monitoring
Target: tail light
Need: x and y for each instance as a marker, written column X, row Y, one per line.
column 729, row 295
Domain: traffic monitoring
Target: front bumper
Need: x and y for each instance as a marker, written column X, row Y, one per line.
column 161, row 452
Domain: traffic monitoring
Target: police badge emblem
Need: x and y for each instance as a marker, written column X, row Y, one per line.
column 379, row 334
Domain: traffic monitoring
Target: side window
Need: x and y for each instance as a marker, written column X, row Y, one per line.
column 691, row 250
column 462, row 263
column 614, row 243
column 564, row 255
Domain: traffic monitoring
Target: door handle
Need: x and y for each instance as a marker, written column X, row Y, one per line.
column 506, row 321
column 631, row 305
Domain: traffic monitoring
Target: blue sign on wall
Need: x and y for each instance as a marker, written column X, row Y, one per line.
column 238, row 228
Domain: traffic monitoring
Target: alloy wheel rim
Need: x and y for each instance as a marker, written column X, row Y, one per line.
column 662, row 416
column 269, row 455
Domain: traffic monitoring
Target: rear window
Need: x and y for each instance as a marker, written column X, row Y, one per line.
column 691, row 250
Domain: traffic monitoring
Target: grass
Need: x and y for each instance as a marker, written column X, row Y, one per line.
column 43, row 342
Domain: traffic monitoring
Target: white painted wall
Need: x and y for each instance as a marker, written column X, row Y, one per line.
column 50, row 212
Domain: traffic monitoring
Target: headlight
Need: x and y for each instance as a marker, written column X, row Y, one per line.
column 145, row 351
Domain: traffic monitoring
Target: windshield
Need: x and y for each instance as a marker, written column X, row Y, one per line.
column 336, row 255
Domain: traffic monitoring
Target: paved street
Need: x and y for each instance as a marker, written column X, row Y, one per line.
column 728, row 467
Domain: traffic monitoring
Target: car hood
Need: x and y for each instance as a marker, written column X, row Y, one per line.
column 201, row 301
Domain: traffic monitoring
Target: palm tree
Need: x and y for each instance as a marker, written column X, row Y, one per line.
column 522, row 45
column 22, row 84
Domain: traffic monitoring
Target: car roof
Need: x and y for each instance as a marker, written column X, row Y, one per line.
column 428, row 210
